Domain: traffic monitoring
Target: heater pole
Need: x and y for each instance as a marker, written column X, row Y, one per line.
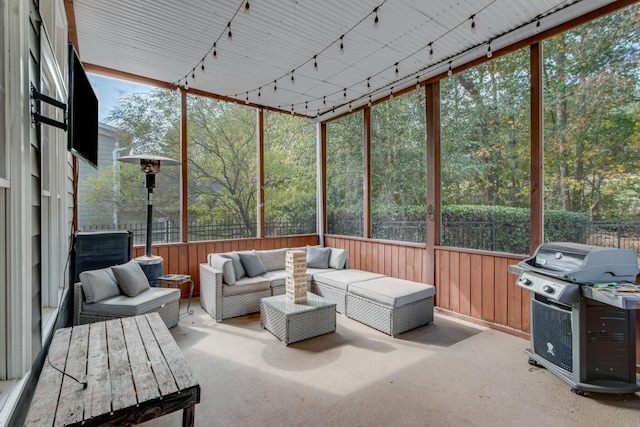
column 151, row 183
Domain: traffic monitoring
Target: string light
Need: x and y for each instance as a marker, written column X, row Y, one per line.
column 397, row 69
column 292, row 109
column 473, row 24
column 246, row 101
column 391, row 94
column 537, row 25
column 193, row 74
column 229, row 36
column 345, row 92
column 341, row 44
column 369, row 104
column 293, row 80
column 186, row 84
column 324, row 100
column 350, row 107
column 368, row 82
column 315, row 62
column 450, row 71
column 375, row 19
column 417, row 82
column 246, row 7
column 489, row 53
column 431, row 50
column 202, row 65
column 215, row 52
column 306, row 105
column 259, row 91
column 275, row 86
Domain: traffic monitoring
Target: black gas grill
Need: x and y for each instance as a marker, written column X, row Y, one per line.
column 582, row 323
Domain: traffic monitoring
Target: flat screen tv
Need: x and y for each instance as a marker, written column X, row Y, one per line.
column 83, row 112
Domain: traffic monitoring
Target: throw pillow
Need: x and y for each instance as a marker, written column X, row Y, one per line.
column 238, row 269
column 99, row 285
column 273, row 259
column 318, row 257
column 224, row 265
column 252, row 264
column 338, row 258
column 130, row 278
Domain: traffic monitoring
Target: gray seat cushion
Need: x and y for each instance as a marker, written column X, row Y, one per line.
column 123, row 305
column 341, row 279
column 311, row 272
column 391, row 291
column 275, row 278
column 245, row 285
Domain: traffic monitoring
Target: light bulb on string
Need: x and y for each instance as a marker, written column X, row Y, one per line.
column 418, row 82
column 489, row 53
column 259, row 91
column 391, row 94
column 324, row 100
column 186, row 84
column 292, row 109
column 275, row 85
column 341, row 44
column 229, row 36
column 473, row 24
column 246, row 100
column 202, row 65
column 397, row 70
column 315, row 62
column 350, row 107
column 368, row 82
column 247, row 7
column 193, row 74
column 369, row 104
column 375, row 19
column 345, row 93
column 537, row 25
column 293, row 80
column 306, row 105
column 431, row 50
column 215, row 53
column 450, row 71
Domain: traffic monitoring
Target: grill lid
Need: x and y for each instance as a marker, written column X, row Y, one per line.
column 583, row 263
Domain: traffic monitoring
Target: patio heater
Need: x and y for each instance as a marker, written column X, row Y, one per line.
column 150, row 164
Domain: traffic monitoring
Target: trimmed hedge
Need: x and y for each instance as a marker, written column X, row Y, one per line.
column 494, row 228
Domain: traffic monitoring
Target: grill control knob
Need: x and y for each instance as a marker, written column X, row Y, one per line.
column 548, row 289
column 526, row 282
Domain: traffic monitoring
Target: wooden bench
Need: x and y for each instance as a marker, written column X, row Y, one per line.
column 128, row 371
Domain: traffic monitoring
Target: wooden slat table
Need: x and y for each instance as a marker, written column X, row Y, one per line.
column 134, row 372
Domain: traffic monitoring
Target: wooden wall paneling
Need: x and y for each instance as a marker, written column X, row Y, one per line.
column 194, row 265
column 514, row 305
column 476, row 285
column 417, row 265
column 394, row 261
column 442, row 279
column 454, row 281
column 501, row 292
column 465, row 283
column 368, row 266
column 388, row 261
column 408, row 275
column 173, row 259
column 488, row 291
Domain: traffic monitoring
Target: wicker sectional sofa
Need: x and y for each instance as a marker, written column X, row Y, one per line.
column 387, row 304
column 121, row 291
column 228, row 289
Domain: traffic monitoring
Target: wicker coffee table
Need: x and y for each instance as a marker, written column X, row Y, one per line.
column 291, row 322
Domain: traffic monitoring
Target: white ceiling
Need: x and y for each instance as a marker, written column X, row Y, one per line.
column 168, row 41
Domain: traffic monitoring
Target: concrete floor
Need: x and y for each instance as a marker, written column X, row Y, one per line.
column 449, row 373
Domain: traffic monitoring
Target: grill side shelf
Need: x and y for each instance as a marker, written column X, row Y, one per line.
column 624, row 300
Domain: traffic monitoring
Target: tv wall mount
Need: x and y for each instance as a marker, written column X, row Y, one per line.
column 39, row 118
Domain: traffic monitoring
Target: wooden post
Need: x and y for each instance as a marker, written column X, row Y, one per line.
column 260, row 131
column 434, row 199
column 184, row 211
column 536, row 227
column 366, row 179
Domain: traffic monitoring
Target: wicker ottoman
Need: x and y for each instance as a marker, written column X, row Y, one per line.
column 390, row 305
column 291, row 322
